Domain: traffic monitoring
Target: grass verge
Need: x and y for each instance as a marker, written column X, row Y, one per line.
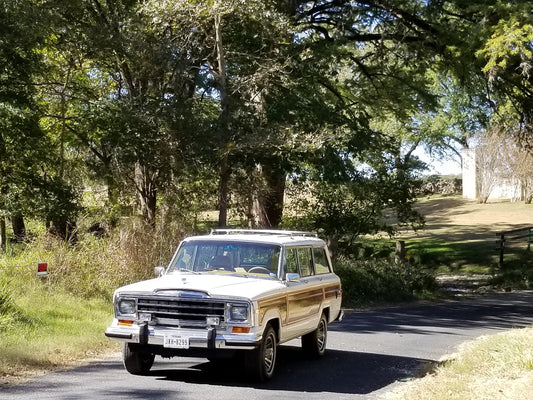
column 44, row 329
column 491, row 367
column 54, row 322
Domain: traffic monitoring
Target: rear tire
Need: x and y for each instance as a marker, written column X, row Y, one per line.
column 135, row 362
column 261, row 362
column 314, row 343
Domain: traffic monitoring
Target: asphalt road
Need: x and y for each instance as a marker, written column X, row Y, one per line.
column 368, row 353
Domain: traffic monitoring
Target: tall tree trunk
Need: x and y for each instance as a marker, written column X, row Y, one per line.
column 19, row 228
column 268, row 205
column 147, row 194
column 274, row 203
column 3, row 234
column 224, row 172
column 111, row 185
column 223, row 193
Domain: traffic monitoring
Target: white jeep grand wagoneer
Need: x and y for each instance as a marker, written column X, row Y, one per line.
column 238, row 291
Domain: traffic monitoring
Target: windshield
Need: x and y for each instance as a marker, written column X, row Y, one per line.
column 227, row 257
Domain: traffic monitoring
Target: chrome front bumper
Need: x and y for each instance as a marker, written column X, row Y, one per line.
column 208, row 338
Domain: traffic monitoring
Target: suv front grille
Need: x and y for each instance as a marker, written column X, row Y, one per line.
column 182, row 312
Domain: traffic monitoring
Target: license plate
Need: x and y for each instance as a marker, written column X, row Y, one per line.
column 176, row 342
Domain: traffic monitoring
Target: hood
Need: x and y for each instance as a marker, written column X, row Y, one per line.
column 214, row 285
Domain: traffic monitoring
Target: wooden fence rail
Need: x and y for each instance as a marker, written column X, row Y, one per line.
column 514, row 235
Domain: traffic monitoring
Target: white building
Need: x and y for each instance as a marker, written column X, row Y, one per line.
column 476, row 173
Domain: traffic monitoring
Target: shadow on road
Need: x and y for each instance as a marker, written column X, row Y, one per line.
column 342, row 372
column 497, row 311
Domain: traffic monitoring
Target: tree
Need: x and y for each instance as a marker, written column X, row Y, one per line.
column 488, row 161
column 248, row 56
column 153, row 97
column 132, row 125
column 507, row 53
column 515, row 163
column 375, row 99
column 346, row 197
column 495, row 156
column 223, row 125
column 522, row 167
column 21, row 149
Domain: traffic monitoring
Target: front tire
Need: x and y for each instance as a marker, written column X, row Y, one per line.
column 314, row 343
column 261, row 362
column 135, row 362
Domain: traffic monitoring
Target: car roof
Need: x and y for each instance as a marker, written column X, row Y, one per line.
column 280, row 237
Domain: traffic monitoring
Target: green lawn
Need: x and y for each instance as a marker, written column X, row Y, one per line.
column 460, row 237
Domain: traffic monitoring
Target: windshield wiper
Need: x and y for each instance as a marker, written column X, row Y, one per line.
column 186, row 270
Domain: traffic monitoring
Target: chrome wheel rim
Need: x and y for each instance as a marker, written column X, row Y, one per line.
column 269, row 357
column 321, row 336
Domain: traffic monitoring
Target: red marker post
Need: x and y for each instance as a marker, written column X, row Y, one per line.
column 42, row 269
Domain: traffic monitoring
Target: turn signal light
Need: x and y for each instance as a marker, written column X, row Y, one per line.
column 125, row 322
column 241, row 329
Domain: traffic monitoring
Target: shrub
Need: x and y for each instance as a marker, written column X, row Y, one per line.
column 94, row 266
column 382, row 281
column 437, row 184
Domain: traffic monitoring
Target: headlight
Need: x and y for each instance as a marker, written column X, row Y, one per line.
column 238, row 313
column 127, row 306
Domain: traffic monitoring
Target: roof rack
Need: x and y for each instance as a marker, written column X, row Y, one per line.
column 279, row 232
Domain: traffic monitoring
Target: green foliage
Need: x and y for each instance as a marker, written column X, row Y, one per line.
column 128, row 94
column 338, row 210
column 495, row 43
column 517, row 270
column 382, row 280
column 20, row 137
column 453, row 256
column 357, row 201
column 509, row 45
column 26, row 187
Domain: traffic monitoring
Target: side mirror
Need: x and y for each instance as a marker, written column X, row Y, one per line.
column 292, row 277
column 159, row 271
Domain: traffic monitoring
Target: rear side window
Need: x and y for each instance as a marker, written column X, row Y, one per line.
column 306, row 261
column 321, row 261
